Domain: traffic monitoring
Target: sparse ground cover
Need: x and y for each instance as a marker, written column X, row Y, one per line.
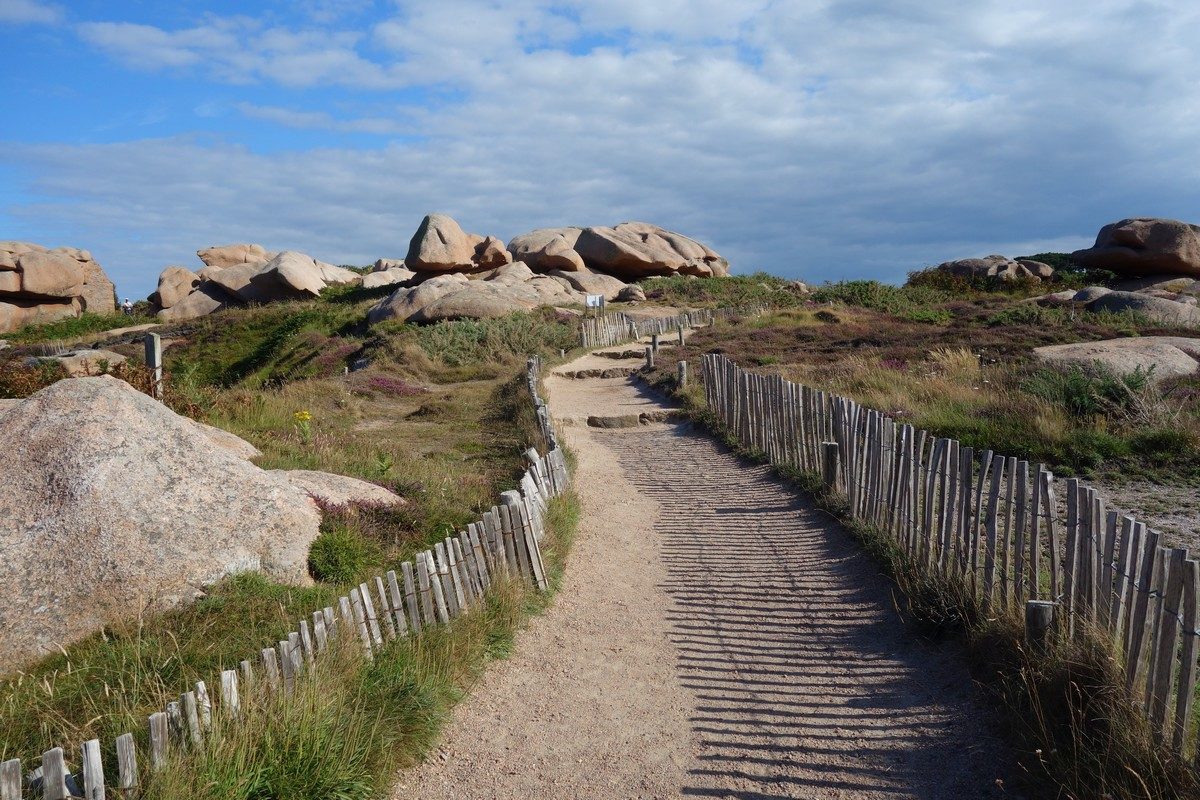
column 440, row 415
column 960, row 363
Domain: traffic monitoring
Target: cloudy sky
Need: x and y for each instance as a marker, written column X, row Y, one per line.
column 822, row 140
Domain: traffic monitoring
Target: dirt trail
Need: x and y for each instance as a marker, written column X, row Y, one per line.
column 716, row 636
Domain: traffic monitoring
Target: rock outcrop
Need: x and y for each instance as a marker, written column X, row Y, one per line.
column 288, row 275
column 997, row 266
column 110, row 502
column 388, row 277
column 231, row 255
column 1158, row 309
column 546, row 249
column 440, row 245
column 1145, row 246
column 339, row 490
column 639, row 250
column 174, row 284
column 83, row 363
column 513, row 287
column 39, row 285
column 1171, row 356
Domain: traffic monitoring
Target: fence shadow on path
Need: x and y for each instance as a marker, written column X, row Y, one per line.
column 803, row 680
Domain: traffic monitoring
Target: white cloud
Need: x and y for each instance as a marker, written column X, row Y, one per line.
column 23, row 12
column 321, row 120
column 852, row 137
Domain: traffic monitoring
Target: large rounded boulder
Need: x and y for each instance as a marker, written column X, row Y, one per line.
column 545, row 249
column 110, row 502
column 441, row 245
column 39, row 285
column 640, row 250
column 1145, row 246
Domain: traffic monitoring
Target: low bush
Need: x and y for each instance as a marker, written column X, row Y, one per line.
column 340, row 554
column 1089, row 392
column 74, row 327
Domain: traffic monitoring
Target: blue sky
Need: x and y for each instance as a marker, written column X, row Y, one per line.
column 820, row 140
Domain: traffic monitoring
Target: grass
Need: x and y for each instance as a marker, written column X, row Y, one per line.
column 348, row 727
column 965, row 370
column 739, row 291
column 441, row 415
column 75, row 327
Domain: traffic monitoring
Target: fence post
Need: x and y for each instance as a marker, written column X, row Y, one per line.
column 829, row 465
column 649, row 357
column 1039, row 617
column 681, row 334
column 683, row 374
column 654, row 341
column 154, row 362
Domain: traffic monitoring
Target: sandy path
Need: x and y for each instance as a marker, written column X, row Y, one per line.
column 716, row 636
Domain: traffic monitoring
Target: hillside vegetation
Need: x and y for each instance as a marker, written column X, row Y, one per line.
column 440, row 414
column 956, row 359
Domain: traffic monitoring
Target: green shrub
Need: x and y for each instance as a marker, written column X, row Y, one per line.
column 757, row 289
column 882, row 296
column 930, row 316
column 1084, row 393
column 76, row 326
column 1163, row 444
column 340, row 554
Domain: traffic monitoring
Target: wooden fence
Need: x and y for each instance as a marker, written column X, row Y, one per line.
column 617, row 327
column 1020, row 539
column 438, row 585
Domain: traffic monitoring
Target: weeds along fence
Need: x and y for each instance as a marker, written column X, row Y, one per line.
column 613, row 328
column 996, row 525
column 438, row 585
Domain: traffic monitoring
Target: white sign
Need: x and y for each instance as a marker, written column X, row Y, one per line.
column 595, row 301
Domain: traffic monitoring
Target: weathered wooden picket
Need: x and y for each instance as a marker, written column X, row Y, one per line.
column 997, row 524
column 440, row 584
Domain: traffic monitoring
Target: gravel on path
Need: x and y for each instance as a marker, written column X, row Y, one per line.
column 715, row 636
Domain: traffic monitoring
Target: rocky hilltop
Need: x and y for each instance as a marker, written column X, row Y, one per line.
column 448, row 273
column 39, row 285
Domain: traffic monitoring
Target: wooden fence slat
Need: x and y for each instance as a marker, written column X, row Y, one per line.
column 320, row 637
column 425, row 583
column 230, row 703
column 397, row 596
column 435, row 584
column 385, row 609
column 159, row 740
column 270, row 662
column 1107, row 558
column 1168, row 635
column 1187, row 658
column 1071, row 556
column 1006, row 542
column 1020, row 588
column 410, row 596
column 1141, row 601
column 54, row 775
column 191, row 717
column 360, row 620
column 993, row 508
column 1154, row 607
column 10, row 779
column 307, row 648
column 369, row 614
column 127, row 768
column 92, row 767
column 204, row 706
column 442, row 569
